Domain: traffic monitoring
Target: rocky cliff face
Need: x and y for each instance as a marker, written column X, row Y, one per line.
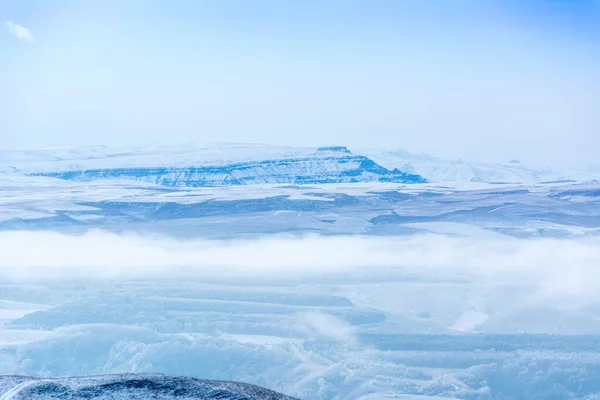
column 336, row 168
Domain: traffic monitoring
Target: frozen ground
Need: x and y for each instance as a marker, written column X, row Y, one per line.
column 371, row 208
column 365, row 290
column 312, row 317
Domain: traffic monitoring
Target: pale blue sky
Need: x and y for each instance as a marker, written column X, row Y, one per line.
column 486, row 80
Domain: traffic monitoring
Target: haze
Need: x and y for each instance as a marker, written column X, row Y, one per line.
column 485, row 81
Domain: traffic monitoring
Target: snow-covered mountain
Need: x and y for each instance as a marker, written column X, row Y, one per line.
column 437, row 169
column 194, row 165
column 131, row 387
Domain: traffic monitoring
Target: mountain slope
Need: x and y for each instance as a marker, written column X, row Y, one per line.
column 311, row 170
column 437, row 169
column 211, row 166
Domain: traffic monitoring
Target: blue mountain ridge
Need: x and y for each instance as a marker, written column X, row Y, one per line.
column 326, row 165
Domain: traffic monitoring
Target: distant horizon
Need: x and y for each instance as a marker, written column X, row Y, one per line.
column 352, row 149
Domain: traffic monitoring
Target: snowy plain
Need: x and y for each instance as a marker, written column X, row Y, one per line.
column 353, row 289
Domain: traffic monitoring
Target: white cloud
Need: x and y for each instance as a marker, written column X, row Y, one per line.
column 20, row 31
column 561, row 270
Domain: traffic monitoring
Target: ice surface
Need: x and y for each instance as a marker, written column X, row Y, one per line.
column 541, row 210
column 345, row 290
column 455, row 317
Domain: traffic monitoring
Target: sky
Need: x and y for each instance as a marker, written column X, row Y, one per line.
column 482, row 80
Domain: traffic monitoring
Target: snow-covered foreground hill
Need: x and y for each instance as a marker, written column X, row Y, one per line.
column 130, row 387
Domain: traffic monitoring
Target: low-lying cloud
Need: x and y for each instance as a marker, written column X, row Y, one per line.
column 568, row 268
